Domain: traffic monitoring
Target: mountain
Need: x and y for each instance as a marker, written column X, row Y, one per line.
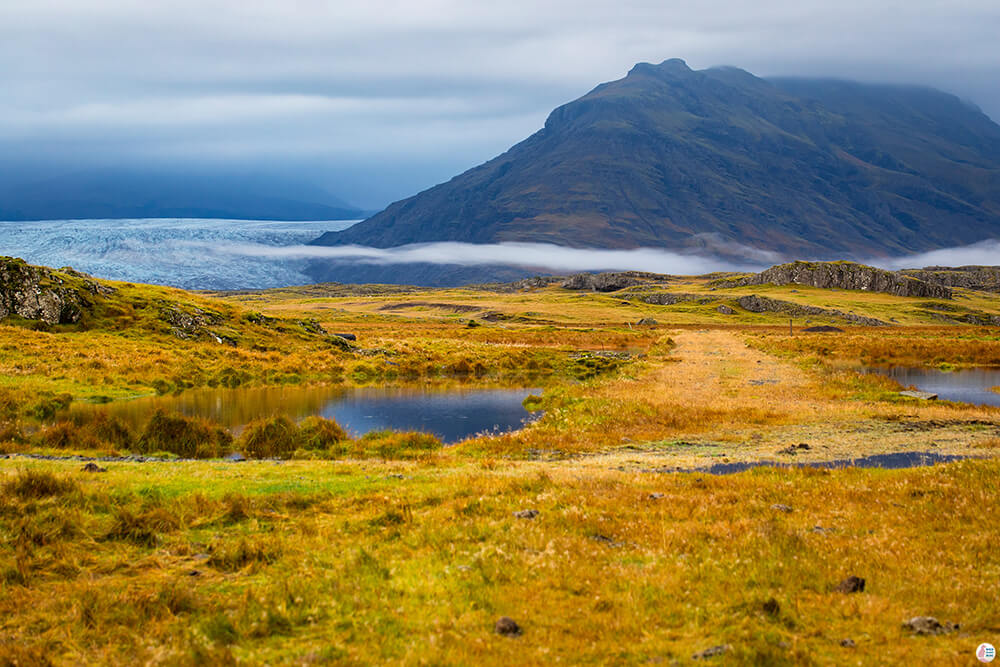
column 118, row 193
column 676, row 158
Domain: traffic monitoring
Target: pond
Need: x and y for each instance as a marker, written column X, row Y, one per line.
column 892, row 461
column 452, row 415
column 970, row 385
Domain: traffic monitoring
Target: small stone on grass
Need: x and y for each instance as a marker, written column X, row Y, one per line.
column 851, row 585
column 507, row 627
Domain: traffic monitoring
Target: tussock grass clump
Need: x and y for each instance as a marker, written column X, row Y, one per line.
column 142, row 528
column 33, row 484
column 10, row 432
column 275, row 437
column 319, row 434
column 49, row 526
column 111, row 430
column 48, row 405
column 9, row 404
column 398, row 444
column 64, row 435
column 247, row 552
column 186, row 437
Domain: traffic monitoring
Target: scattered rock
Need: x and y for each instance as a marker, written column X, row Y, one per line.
column 604, row 539
column 648, row 321
column 236, row 457
column 792, row 450
column 781, row 508
column 656, row 495
column 345, row 336
column 507, row 627
column 725, row 310
column 93, row 467
column 922, row 395
column 851, row 585
column 526, row 514
column 847, row 643
column 819, row 529
column 928, row 625
column 190, row 323
column 713, row 652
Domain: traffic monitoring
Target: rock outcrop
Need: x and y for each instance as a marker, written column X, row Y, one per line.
column 980, row 278
column 763, row 304
column 45, row 295
column 609, row 282
column 844, row 275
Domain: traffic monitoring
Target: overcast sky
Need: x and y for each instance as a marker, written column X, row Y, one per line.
column 378, row 99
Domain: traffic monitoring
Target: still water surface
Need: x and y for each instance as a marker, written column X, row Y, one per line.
column 971, row 385
column 452, row 415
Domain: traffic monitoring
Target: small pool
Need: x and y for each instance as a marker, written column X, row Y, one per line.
column 452, row 415
column 892, row 461
column 969, row 385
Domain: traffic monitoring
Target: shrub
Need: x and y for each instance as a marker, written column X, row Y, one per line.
column 187, row 437
column 274, row 437
column 317, row 433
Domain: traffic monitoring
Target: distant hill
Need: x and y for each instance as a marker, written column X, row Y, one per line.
column 670, row 157
column 117, row 193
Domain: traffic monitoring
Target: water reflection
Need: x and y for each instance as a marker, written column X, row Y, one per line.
column 971, row 385
column 452, row 414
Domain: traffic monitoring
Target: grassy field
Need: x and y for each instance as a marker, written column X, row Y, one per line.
column 394, row 549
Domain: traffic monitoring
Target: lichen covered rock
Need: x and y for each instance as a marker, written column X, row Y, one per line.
column 45, row 295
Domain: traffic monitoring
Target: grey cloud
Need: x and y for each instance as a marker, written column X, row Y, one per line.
column 422, row 82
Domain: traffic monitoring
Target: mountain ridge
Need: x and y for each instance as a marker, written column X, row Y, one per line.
column 817, row 168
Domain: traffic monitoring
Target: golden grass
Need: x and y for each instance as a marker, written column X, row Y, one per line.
column 315, row 561
column 391, row 549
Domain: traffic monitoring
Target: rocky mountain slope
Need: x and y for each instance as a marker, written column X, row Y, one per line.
column 670, row 157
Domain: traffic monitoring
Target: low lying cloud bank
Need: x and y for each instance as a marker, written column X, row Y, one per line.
column 984, row 253
column 540, row 256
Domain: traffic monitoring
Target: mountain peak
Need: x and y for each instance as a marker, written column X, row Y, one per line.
column 672, row 67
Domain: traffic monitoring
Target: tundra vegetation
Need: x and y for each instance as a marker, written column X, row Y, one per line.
column 389, row 548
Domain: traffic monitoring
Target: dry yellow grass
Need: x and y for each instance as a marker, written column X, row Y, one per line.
column 345, row 564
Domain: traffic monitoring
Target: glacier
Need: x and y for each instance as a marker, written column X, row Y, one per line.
column 185, row 252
